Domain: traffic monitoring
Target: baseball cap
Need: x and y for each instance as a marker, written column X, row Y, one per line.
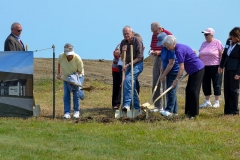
column 209, row 31
column 160, row 38
column 68, row 49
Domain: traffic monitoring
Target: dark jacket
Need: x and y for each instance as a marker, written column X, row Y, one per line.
column 12, row 44
column 231, row 62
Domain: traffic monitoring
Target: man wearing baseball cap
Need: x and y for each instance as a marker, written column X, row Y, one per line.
column 70, row 62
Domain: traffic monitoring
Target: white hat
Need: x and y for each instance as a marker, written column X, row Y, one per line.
column 68, row 49
column 209, row 31
column 69, row 53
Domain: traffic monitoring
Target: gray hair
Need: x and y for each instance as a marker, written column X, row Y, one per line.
column 155, row 25
column 170, row 39
column 137, row 35
column 68, row 47
column 13, row 26
column 128, row 28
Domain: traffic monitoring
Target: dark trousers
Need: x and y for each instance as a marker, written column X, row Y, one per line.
column 231, row 87
column 211, row 75
column 116, row 90
column 192, row 93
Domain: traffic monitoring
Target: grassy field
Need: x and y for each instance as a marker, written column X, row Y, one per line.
column 97, row 135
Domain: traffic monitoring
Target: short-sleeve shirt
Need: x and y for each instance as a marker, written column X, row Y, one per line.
column 166, row 55
column 137, row 49
column 70, row 67
column 154, row 40
column 209, row 53
column 187, row 56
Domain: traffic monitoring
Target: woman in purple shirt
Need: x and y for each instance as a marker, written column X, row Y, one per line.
column 189, row 61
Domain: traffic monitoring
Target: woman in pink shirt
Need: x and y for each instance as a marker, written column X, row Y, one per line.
column 210, row 53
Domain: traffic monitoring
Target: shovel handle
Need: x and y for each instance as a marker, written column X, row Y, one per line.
column 169, row 89
column 132, row 73
column 163, row 94
column 123, row 77
column 155, row 88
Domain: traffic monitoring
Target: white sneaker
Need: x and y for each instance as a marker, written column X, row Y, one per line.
column 67, row 116
column 156, row 110
column 161, row 111
column 124, row 110
column 76, row 114
column 166, row 113
column 216, row 104
column 206, row 104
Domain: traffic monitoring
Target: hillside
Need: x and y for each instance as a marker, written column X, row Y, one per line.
column 94, row 70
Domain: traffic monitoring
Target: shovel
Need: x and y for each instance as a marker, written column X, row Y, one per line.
column 131, row 113
column 118, row 112
column 155, row 88
column 147, row 106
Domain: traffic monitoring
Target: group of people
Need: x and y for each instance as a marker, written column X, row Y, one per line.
column 171, row 59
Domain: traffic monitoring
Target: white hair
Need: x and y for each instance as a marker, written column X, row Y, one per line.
column 128, row 27
column 13, row 26
column 170, row 39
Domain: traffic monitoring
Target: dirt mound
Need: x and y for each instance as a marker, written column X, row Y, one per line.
column 140, row 118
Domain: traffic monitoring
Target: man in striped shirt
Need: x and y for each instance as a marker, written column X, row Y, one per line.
column 157, row 64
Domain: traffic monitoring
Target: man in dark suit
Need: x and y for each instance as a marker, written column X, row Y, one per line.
column 13, row 41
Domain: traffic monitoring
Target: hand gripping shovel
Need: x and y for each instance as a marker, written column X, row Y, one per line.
column 148, row 106
column 118, row 112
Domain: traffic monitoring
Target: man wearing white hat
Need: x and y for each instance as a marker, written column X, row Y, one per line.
column 70, row 62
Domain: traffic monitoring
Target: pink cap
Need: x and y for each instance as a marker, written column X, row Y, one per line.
column 209, row 31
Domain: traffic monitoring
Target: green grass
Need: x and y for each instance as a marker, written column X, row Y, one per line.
column 210, row 136
column 54, row 139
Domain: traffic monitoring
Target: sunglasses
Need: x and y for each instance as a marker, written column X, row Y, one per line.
column 18, row 30
column 206, row 34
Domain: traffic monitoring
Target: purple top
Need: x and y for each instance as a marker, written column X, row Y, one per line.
column 187, row 56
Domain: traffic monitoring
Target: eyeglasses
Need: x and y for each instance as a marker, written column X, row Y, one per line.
column 18, row 30
column 206, row 34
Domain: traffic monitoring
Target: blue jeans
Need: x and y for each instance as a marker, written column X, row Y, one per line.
column 137, row 82
column 67, row 98
column 137, row 69
column 172, row 104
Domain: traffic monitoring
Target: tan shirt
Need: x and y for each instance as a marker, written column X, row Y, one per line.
column 70, row 67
